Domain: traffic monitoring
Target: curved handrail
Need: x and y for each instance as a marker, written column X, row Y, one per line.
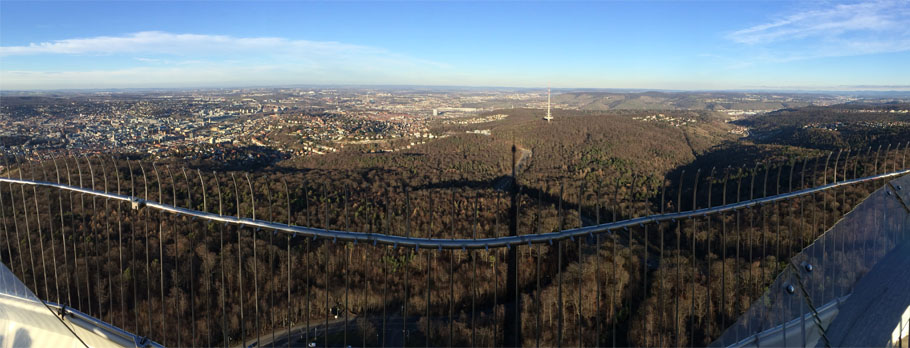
column 434, row 243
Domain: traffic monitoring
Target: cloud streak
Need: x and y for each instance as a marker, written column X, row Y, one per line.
column 162, row 58
column 876, row 17
column 157, row 42
column 842, row 30
column 164, row 43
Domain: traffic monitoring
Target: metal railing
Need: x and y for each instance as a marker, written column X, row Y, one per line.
column 192, row 275
column 454, row 243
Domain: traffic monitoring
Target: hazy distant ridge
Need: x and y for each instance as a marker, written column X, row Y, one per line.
column 689, row 101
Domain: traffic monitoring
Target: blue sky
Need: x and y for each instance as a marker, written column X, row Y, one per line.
column 643, row 44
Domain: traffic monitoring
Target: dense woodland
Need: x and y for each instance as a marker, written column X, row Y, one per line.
column 184, row 281
column 859, row 125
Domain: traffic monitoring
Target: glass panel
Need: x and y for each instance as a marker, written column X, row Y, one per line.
column 806, row 296
column 25, row 321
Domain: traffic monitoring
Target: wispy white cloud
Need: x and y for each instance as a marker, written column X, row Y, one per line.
column 841, row 30
column 162, row 58
column 157, row 42
column 878, row 16
column 147, row 60
column 164, row 43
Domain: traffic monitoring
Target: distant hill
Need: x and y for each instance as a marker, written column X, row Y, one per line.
column 849, row 125
column 716, row 101
column 595, row 146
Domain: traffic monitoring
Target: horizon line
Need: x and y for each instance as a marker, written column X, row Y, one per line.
column 757, row 89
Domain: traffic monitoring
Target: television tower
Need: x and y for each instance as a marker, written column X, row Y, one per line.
column 548, row 117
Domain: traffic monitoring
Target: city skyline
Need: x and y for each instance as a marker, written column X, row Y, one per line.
column 671, row 46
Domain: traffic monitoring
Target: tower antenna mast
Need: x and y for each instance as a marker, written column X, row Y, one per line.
column 549, row 117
